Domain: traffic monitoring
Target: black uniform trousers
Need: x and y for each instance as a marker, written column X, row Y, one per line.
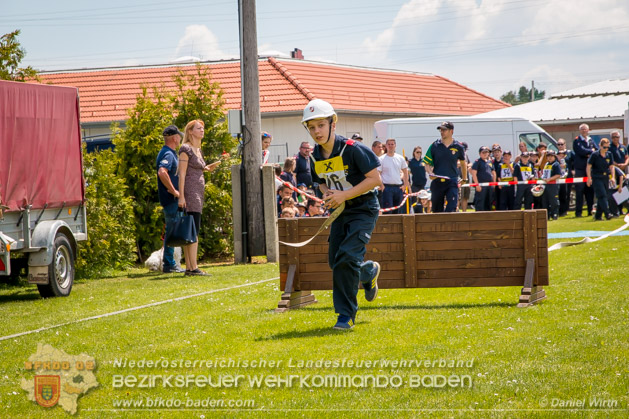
column 442, row 190
column 550, row 200
column 600, row 185
column 580, row 190
column 482, row 199
column 507, row 198
column 523, row 192
column 349, row 234
column 564, row 198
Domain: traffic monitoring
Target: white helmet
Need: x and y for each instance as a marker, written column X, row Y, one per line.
column 316, row 109
column 538, row 190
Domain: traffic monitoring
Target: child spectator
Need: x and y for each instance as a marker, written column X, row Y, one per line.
column 302, row 199
column 483, row 171
column 283, row 192
column 302, row 209
column 425, row 202
column 504, row 172
column 287, row 213
column 524, row 171
column 288, row 174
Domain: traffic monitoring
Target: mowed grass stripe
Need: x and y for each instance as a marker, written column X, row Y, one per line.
column 114, row 313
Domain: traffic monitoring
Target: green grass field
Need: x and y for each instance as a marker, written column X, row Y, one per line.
column 566, row 357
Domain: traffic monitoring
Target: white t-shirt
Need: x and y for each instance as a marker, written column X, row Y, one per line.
column 391, row 167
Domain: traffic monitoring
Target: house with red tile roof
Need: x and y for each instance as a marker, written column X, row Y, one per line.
column 360, row 95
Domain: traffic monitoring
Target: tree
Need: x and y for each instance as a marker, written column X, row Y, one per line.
column 198, row 98
column 136, row 149
column 111, row 240
column 195, row 97
column 523, row 95
column 11, row 54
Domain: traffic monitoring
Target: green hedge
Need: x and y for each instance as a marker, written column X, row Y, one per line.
column 110, row 220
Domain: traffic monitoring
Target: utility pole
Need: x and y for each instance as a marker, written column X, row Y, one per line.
column 252, row 153
column 532, row 90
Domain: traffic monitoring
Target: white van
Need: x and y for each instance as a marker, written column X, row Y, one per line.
column 475, row 131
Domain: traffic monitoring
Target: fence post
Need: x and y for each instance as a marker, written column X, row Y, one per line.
column 270, row 214
column 237, row 214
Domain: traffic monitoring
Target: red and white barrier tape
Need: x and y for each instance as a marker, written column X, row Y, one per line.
column 394, row 208
column 527, row 182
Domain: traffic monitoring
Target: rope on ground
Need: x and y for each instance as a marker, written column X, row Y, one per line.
column 590, row 240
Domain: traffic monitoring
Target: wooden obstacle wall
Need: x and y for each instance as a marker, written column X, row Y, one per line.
column 475, row 249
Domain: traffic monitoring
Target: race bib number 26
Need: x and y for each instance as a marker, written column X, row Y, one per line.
column 333, row 171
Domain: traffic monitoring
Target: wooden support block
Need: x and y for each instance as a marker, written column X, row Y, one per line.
column 294, row 300
column 410, row 251
column 531, row 296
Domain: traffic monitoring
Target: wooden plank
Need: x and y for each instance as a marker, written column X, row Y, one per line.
column 470, row 235
column 323, row 267
column 325, row 276
column 506, row 281
column 530, row 241
column 323, row 285
column 470, row 273
column 389, row 219
column 292, row 257
column 410, row 251
column 323, row 258
column 387, row 228
column 440, row 255
column 469, row 226
column 383, row 248
column 290, row 279
column 470, row 244
column 472, row 217
column 465, row 263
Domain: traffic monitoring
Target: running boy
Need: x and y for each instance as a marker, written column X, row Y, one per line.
column 346, row 171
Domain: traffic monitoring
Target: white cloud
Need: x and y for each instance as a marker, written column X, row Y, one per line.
column 595, row 20
column 199, row 41
column 411, row 14
column 481, row 17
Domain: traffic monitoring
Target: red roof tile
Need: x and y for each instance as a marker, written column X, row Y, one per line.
column 286, row 85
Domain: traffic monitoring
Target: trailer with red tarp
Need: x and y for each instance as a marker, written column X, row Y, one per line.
column 42, row 212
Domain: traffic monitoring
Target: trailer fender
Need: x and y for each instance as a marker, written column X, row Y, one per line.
column 44, row 236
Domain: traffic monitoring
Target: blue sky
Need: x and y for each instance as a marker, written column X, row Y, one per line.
column 489, row 45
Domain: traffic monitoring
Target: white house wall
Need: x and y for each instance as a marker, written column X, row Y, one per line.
column 287, row 130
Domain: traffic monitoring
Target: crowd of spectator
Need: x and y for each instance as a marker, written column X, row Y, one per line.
column 605, row 165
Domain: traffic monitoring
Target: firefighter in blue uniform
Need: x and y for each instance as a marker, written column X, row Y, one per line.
column 346, row 171
column 598, row 173
column 551, row 172
column 483, row 171
column 441, row 159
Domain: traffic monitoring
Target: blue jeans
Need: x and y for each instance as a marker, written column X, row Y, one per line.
column 170, row 214
column 391, row 197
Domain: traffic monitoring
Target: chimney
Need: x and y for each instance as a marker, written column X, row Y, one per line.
column 297, row 54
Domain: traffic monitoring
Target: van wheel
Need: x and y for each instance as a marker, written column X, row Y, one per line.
column 60, row 270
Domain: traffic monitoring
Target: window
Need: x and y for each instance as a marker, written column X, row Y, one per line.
column 533, row 139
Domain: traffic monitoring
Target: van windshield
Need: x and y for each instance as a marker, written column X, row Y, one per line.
column 533, row 139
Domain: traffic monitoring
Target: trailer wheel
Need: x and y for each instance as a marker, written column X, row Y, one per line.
column 60, row 270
